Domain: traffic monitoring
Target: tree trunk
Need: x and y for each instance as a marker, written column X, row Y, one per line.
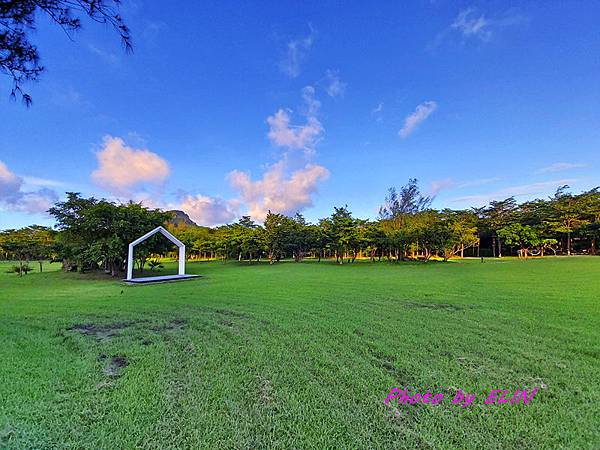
column 569, row 243
column 494, row 247
column 40, row 263
column 593, row 249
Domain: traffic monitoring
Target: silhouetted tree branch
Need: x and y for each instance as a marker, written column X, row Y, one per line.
column 19, row 57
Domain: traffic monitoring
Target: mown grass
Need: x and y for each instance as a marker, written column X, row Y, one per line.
column 303, row 355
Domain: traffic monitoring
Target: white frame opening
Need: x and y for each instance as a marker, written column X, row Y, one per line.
column 170, row 237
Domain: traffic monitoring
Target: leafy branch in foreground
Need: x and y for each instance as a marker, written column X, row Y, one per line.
column 20, row 58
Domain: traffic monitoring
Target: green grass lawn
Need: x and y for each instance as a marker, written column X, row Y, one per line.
column 303, row 355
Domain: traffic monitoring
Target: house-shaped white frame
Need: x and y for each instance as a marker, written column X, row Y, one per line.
column 170, row 237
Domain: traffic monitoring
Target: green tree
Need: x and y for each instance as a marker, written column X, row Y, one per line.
column 98, row 231
column 523, row 236
column 499, row 214
column 275, row 236
column 590, row 202
column 344, row 233
column 566, row 214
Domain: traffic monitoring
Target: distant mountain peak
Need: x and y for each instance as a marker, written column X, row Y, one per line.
column 181, row 217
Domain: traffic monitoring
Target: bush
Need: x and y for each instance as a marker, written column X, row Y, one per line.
column 155, row 264
column 20, row 269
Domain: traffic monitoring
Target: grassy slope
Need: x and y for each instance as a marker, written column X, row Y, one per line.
column 304, row 355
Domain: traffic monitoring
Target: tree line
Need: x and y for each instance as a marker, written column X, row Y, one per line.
column 409, row 228
column 94, row 234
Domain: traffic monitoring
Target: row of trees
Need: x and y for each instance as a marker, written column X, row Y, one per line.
column 408, row 228
column 92, row 233
column 340, row 236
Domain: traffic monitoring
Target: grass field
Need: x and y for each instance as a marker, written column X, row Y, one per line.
column 303, row 355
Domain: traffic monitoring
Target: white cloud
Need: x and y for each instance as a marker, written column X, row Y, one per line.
column 279, row 190
column 516, row 191
column 559, row 167
column 478, row 182
column 209, row 211
column 335, row 87
column 45, row 182
column 283, row 134
column 378, row 108
column 37, row 202
column 312, row 104
column 297, row 51
column 108, row 57
column 422, row 112
column 470, row 23
column 10, row 184
column 288, row 185
column 121, row 168
column 439, row 185
column 377, row 112
column 14, row 198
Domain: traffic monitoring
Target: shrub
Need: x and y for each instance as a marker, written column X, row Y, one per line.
column 155, row 264
column 20, row 269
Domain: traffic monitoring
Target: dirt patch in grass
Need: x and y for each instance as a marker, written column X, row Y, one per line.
column 143, row 329
column 114, row 366
column 101, row 332
column 174, row 325
column 265, row 389
column 470, row 364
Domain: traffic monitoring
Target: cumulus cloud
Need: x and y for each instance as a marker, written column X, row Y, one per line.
column 283, row 134
column 13, row 197
column 288, row 185
column 421, row 113
column 559, row 167
column 209, row 211
column 279, row 190
column 120, row 168
column 297, row 51
column 335, row 87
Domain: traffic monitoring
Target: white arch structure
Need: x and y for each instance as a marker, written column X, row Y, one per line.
column 170, row 237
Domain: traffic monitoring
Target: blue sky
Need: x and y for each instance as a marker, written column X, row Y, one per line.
column 228, row 108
